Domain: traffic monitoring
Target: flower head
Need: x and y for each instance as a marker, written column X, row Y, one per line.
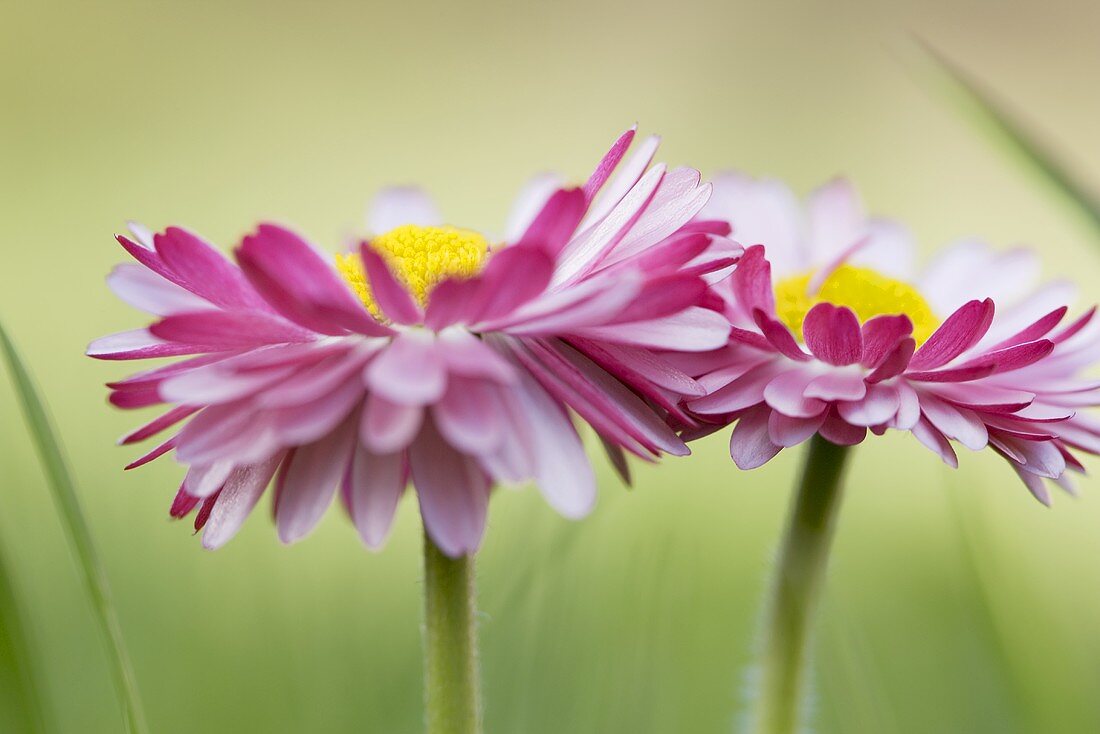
column 432, row 353
column 834, row 334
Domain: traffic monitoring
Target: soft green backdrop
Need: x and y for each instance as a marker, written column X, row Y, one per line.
column 957, row 603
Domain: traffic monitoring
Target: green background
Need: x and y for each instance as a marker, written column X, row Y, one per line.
column 956, row 603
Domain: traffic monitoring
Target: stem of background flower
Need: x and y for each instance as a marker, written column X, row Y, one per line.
column 799, row 577
column 452, row 690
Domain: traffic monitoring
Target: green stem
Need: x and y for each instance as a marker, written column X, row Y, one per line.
column 452, row 696
column 799, row 577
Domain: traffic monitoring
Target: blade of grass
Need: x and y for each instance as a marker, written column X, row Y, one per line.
column 19, row 689
column 80, row 537
column 992, row 117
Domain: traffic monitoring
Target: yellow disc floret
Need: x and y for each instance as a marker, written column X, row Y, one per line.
column 420, row 257
column 867, row 292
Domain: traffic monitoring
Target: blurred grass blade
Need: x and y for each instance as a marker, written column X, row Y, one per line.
column 993, row 118
column 21, row 702
column 76, row 527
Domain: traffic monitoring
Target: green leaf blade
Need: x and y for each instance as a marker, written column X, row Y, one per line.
column 79, row 535
column 991, row 116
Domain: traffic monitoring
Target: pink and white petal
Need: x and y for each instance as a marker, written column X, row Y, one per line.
column 651, row 368
column 677, row 200
column 930, row 436
column 218, row 383
column 301, row 285
column 604, row 402
column 514, row 461
column 204, row 271
column 1038, row 303
column 908, row 407
column 1035, row 330
column 1041, row 458
column 531, row 199
column 694, row 329
column 895, row 362
column 785, row 431
column 387, row 427
column 779, row 337
column 968, row 373
column 141, row 233
column 141, row 344
column 959, row 332
column 373, row 486
column 836, row 219
column 1033, row 482
column 204, row 511
column 309, row 480
column 161, row 423
column 314, row 381
column 466, row 355
column 400, row 205
column 140, row 397
column 155, row 376
column 182, row 504
column 513, row 277
column 203, row 480
column 453, row 493
column 451, row 302
column 145, row 290
column 295, row 425
column 832, row 334
column 786, row 393
column 206, row 437
column 676, row 252
column 837, row 385
column 663, row 296
column 984, row 397
column 888, row 249
column 562, row 471
column 223, row 330
column 469, row 416
column 752, row 282
column 840, row 432
column 764, row 212
column 156, row 453
column 743, row 392
column 550, row 231
column 609, row 163
column 587, row 249
column 878, row 407
column 411, row 370
column 750, row 443
column 591, row 302
column 951, row 278
column 881, row 335
column 393, row 297
column 626, row 177
column 961, row 424
column 241, row 492
column 1014, row 358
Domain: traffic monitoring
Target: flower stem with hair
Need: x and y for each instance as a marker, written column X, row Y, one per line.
column 452, row 690
column 796, row 587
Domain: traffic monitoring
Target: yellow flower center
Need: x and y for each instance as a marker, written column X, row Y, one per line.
column 867, row 292
column 420, row 257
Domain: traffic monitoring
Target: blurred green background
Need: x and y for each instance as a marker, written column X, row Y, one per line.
column 957, row 603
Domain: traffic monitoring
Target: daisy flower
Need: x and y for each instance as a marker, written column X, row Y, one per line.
column 834, row 333
column 431, row 353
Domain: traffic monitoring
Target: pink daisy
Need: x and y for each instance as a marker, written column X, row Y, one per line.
column 834, row 334
column 429, row 354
